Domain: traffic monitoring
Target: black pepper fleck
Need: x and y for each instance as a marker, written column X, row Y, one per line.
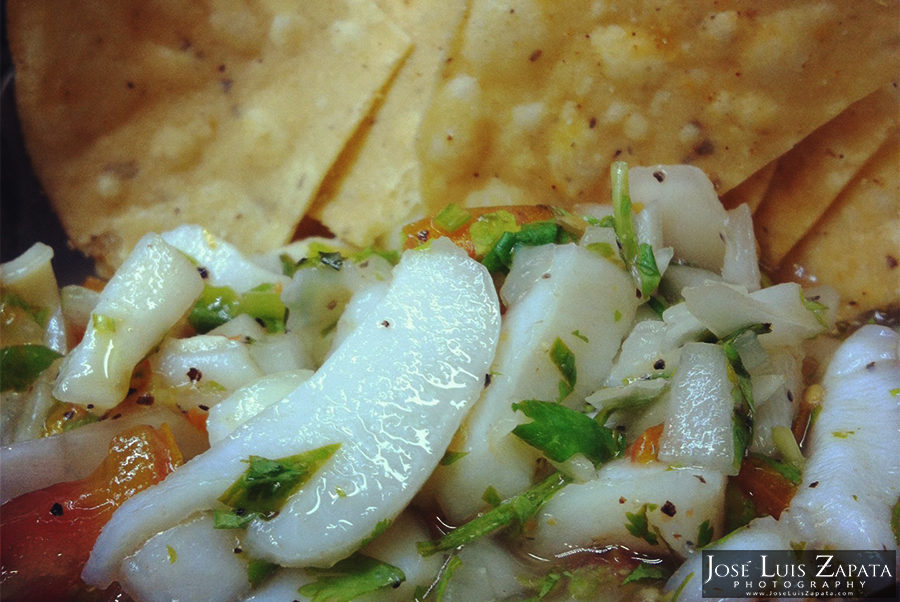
column 422, row 235
column 870, row 366
column 205, row 408
column 790, row 396
column 659, row 364
column 144, row 400
column 69, row 415
column 204, row 273
column 702, row 480
column 56, row 509
column 668, row 509
column 238, row 550
column 385, row 324
column 814, row 484
column 660, row 176
column 194, row 374
column 487, row 380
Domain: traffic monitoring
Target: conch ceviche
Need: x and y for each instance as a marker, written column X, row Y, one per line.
column 527, row 404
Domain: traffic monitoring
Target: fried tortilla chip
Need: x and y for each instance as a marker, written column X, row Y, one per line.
column 379, row 168
column 855, row 246
column 752, row 190
column 140, row 116
column 812, row 174
column 545, row 95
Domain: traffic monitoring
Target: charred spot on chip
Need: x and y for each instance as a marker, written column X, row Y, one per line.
column 705, row 148
column 535, row 55
column 194, row 375
column 891, row 262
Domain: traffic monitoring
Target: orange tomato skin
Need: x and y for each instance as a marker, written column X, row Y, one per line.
column 47, row 535
column 646, row 447
column 770, row 492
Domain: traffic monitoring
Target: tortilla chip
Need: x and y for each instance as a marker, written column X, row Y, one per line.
column 140, row 116
column 379, row 168
column 855, row 246
column 752, row 190
column 545, row 95
column 810, row 176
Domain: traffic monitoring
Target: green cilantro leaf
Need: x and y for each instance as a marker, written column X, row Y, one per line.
column 516, row 509
column 564, row 360
column 639, row 524
column 439, row 587
column 39, row 315
column 267, row 484
column 351, row 578
column 645, row 571
column 451, row 457
column 499, row 257
column 20, row 365
column 220, row 304
column 705, row 534
column 560, row 433
column 258, row 570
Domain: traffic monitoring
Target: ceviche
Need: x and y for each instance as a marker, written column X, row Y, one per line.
column 525, row 403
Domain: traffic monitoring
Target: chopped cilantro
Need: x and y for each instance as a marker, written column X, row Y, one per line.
column 319, row 255
column 351, row 578
column 20, row 365
column 561, row 432
column 843, row 434
column 267, row 484
column 219, row 304
column 637, row 256
column 895, row 392
column 452, row 218
column 577, row 334
column 173, row 555
column 564, row 360
column 439, row 587
column 234, row 519
column 451, row 457
column 39, row 315
column 639, row 525
column 512, row 511
column 544, row 586
column 258, row 570
column 499, row 257
column 645, row 571
column 705, row 534
column 391, row 256
column 380, row 528
column 491, row 497
column 104, row 324
column 657, row 304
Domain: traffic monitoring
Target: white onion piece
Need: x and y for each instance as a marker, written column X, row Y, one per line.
column 76, row 454
column 699, row 430
column 191, row 562
column 393, row 395
column 152, row 290
column 250, row 400
column 854, row 449
column 240, row 326
column 218, row 359
column 225, row 265
column 488, row 572
column 724, row 309
column 77, row 304
column 741, row 265
column 583, row 515
column 678, row 277
column 692, row 216
column 582, row 292
column 22, row 414
column 30, row 276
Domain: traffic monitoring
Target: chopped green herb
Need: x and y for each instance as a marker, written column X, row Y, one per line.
column 380, row 528
column 488, row 229
column 607, row 221
column 657, row 304
column 104, row 324
column 604, row 249
column 173, row 555
column 645, row 264
column 564, row 360
column 439, row 587
column 798, row 546
column 391, row 256
column 645, row 571
column 499, row 257
column 452, row 218
column 512, row 511
column 39, row 315
column 843, row 434
column 895, row 392
column 816, row 308
column 220, row 304
column 637, row 256
column 617, row 315
column 560, row 433
column 258, row 570
column 639, row 525
column 351, row 578
column 20, row 365
column 577, row 334
column 234, row 519
column 452, row 456
column 544, row 586
column 491, row 497
column 705, row 534
column 267, row 484
column 319, row 255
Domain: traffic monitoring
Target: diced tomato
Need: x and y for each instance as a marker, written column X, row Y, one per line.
column 95, row 284
column 770, row 492
column 424, row 230
column 47, row 535
column 646, row 448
